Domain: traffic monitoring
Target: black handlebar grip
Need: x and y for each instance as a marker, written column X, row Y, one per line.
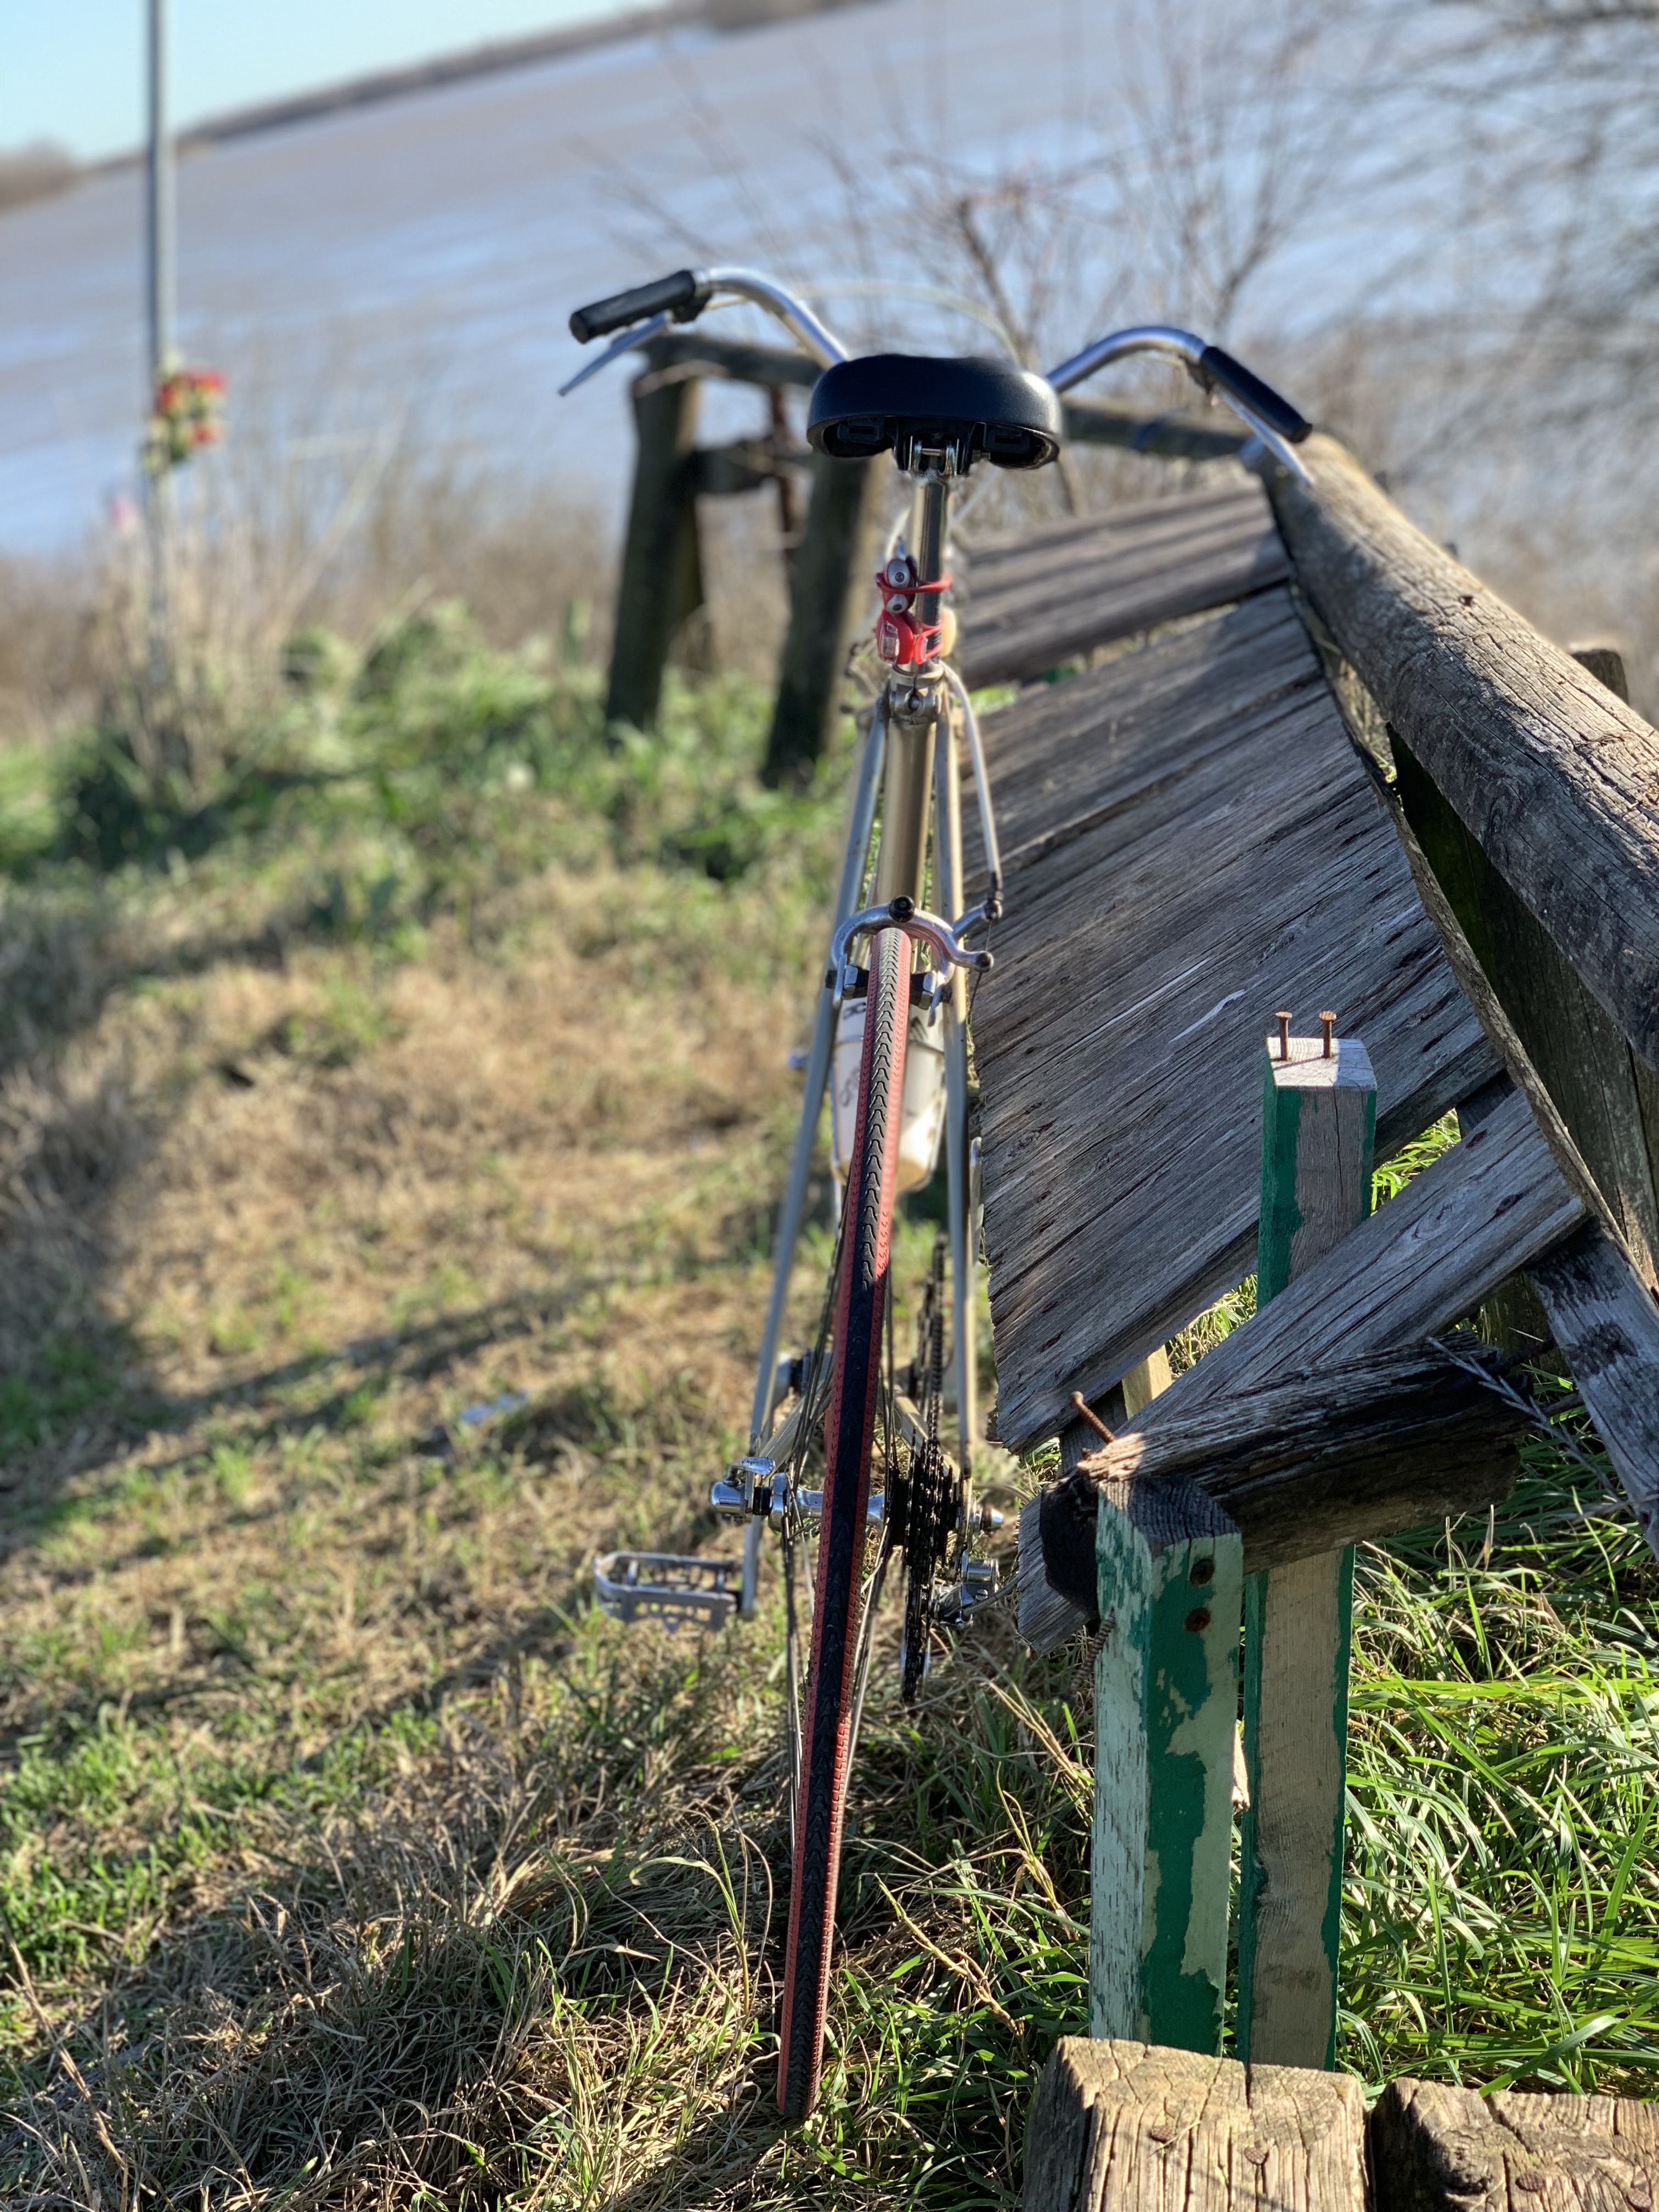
column 683, row 294
column 1275, row 410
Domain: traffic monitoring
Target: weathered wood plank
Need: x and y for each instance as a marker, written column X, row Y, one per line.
column 732, row 360
column 1437, row 2148
column 1119, row 2126
column 1607, row 1328
column 1494, row 1203
column 1171, row 1586
column 832, row 590
column 1175, row 437
column 1319, row 1128
column 1025, row 607
column 1556, row 778
column 1303, row 1463
column 1234, row 859
column 1601, row 1304
column 1580, row 1055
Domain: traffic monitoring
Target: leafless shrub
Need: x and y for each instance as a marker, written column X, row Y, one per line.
column 35, row 173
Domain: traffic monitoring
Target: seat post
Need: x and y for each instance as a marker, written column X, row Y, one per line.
column 929, row 512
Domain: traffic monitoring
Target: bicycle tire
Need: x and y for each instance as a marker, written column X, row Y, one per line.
column 849, row 1434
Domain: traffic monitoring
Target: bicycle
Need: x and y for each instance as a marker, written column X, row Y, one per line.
column 895, row 1030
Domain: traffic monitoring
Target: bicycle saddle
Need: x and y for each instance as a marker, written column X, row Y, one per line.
column 914, row 403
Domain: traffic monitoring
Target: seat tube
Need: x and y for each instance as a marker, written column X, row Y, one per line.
column 914, row 705
column 947, row 815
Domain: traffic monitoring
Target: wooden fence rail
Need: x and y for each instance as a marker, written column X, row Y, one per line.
column 1555, row 778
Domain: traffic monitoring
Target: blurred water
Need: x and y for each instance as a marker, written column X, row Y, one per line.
column 418, row 261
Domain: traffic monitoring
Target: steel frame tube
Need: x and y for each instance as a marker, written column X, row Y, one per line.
column 947, row 816
column 847, row 898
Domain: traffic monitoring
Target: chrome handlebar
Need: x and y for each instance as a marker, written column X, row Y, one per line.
column 1207, row 366
column 1254, row 402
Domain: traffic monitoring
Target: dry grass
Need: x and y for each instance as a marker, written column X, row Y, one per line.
column 348, row 1855
column 358, row 1859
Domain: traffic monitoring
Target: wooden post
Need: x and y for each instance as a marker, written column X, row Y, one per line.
column 1436, row 2148
column 1115, row 2127
column 662, row 581
column 1171, row 1575
column 830, row 589
column 1319, row 1134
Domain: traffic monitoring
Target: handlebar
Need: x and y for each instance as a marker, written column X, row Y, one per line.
column 647, row 309
column 1243, row 385
column 1266, row 411
column 684, row 295
column 640, row 312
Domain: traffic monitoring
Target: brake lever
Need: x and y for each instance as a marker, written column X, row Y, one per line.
column 636, row 336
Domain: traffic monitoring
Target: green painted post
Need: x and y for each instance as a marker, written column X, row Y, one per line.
column 1318, row 1140
column 1166, row 1706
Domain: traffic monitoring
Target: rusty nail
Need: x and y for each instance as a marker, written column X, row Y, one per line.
column 1284, row 1021
column 1085, row 1412
column 1327, row 1023
column 1198, row 1621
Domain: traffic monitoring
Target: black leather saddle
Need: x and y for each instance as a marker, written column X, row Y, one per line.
column 912, row 405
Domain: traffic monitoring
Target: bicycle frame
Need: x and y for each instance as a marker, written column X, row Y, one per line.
column 912, row 756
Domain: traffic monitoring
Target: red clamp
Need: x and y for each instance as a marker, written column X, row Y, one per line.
column 901, row 640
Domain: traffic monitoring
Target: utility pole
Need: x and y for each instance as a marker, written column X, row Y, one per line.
column 160, row 243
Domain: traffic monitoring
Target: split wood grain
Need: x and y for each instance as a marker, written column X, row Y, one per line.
column 1555, row 777
column 1583, row 1060
column 1491, row 1204
column 1303, row 1463
column 1607, row 1328
column 1436, row 2148
column 1600, row 1301
column 1123, row 2126
column 1192, row 843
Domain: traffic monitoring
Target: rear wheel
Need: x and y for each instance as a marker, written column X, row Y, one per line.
column 829, row 1718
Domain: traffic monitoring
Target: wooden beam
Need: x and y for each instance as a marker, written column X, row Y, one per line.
column 746, row 464
column 1582, row 1056
column 833, row 587
column 1303, row 1463
column 1172, row 1588
column 1556, row 778
column 1175, row 437
column 1121, row 2127
column 1595, row 1303
column 1437, row 2148
column 731, row 360
column 1494, row 1203
column 1318, row 1142
column 662, row 581
column 1607, row 1329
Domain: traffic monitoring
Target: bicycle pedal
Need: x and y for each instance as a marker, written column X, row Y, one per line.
column 668, row 1587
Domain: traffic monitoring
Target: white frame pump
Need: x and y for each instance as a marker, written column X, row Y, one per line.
column 906, row 715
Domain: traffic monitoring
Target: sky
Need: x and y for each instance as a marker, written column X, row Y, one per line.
column 73, row 71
